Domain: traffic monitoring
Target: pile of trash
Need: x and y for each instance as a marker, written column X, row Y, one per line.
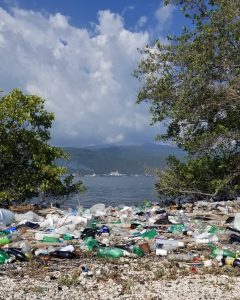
column 201, row 234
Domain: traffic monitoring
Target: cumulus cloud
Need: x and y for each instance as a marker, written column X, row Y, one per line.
column 85, row 78
column 164, row 15
column 141, row 22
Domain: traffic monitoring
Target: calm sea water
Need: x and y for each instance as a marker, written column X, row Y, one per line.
column 114, row 190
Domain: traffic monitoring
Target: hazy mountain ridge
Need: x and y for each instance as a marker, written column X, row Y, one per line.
column 126, row 159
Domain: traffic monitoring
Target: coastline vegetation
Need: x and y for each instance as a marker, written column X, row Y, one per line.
column 27, row 159
column 193, row 86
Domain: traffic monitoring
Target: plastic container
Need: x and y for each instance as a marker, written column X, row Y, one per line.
column 90, row 243
column 181, row 257
column 104, row 229
column 28, row 216
column 6, row 217
column 10, row 229
column 4, row 241
column 216, row 251
column 161, row 252
column 145, row 247
column 40, row 235
column 67, row 236
column 234, row 238
column 98, row 210
column 137, row 250
column 110, row 252
column 63, row 254
column 68, row 248
column 177, row 228
column 236, row 222
column 4, row 257
column 149, row 234
column 18, row 254
column 49, row 239
column 168, row 244
column 230, row 261
column 26, row 249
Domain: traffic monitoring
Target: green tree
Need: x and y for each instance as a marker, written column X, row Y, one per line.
column 193, row 86
column 26, row 157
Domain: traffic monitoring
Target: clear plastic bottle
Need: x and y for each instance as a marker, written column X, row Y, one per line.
column 168, row 244
column 26, row 249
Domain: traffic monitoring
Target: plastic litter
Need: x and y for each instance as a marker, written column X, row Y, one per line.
column 236, row 222
column 193, row 239
column 6, row 217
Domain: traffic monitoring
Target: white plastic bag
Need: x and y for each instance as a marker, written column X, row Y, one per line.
column 6, row 217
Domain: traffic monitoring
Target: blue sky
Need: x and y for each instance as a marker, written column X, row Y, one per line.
column 79, row 56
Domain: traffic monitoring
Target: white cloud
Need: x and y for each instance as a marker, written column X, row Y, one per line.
column 141, row 22
column 86, row 79
column 164, row 15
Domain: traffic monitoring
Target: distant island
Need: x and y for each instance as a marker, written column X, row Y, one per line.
column 119, row 160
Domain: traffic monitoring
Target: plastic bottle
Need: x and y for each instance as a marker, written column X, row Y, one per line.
column 2, row 234
column 230, row 261
column 10, row 229
column 168, row 244
column 4, row 241
column 26, row 249
column 181, row 257
column 177, row 228
column 236, row 222
column 149, row 234
column 31, row 225
column 90, row 243
column 50, row 239
column 6, row 217
column 216, row 251
column 135, row 249
column 234, row 238
column 67, row 236
column 63, row 254
column 15, row 236
column 40, row 235
column 68, row 248
column 18, row 254
column 104, row 229
column 4, row 258
column 110, row 252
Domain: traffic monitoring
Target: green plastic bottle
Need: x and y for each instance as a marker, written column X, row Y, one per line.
column 3, row 233
column 216, row 251
column 90, row 243
column 213, row 229
column 93, row 223
column 137, row 250
column 176, row 228
column 149, row 234
column 4, row 241
column 110, row 252
column 49, row 239
column 67, row 236
column 4, row 258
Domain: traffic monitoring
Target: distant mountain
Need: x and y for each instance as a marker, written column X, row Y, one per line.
column 143, row 159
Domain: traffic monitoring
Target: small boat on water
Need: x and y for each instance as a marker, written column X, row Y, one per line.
column 116, row 173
